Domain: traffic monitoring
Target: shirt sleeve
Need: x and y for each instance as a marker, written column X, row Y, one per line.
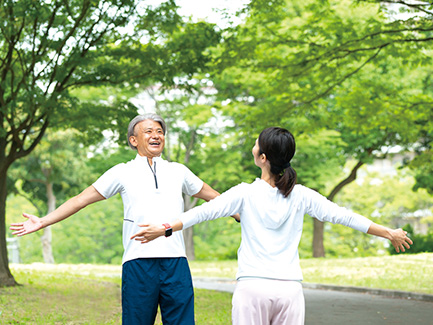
column 322, row 209
column 108, row 184
column 191, row 183
column 227, row 204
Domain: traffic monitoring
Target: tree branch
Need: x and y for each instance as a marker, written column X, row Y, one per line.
column 349, row 179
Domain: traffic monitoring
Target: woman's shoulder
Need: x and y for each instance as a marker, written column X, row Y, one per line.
column 304, row 193
column 300, row 190
column 241, row 187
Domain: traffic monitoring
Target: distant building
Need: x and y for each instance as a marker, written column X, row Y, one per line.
column 420, row 220
column 13, row 250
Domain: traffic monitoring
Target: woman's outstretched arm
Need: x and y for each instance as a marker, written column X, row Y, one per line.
column 398, row 237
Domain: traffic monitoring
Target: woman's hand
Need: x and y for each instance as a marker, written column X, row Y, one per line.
column 149, row 233
column 23, row 228
column 400, row 240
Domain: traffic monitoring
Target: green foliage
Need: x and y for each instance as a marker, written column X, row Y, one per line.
column 217, row 240
column 58, row 161
column 336, row 65
column 222, row 163
column 93, row 235
column 384, row 197
column 422, row 165
column 319, row 159
column 346, row 79
column 341, row 241
column 330, row 66
column 49, row 50
column 30, row 247
column 305, row 244
column 107, row 158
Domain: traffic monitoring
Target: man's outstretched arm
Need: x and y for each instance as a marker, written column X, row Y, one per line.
column 88, row 196
column 206, row 193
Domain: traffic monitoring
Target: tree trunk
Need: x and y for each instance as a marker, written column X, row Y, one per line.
column 318, row 246
column 47, row 251
column 6, row 278
column 188, row 234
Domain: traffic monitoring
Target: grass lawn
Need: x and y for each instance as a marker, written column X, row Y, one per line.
column 397, row 272
column 84, row 294
column 90, row 294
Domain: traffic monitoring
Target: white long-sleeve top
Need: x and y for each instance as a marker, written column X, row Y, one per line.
column 272, row 225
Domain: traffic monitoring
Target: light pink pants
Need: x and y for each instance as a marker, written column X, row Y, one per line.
column 266, row 301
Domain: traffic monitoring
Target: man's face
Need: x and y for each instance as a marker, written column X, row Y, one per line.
column 148, row 138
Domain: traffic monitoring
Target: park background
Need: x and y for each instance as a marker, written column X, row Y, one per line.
column 350, row 79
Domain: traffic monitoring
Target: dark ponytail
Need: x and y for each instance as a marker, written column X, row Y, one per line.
column 279, row 146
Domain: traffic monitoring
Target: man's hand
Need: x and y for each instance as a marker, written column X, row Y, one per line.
column 400, row 240
column 149, row 233
column 23, row 228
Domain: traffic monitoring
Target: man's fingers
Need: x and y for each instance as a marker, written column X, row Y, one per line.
column 26, row 215
column 19, row 233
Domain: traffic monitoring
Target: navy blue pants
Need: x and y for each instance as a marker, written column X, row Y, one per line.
column 149, row 282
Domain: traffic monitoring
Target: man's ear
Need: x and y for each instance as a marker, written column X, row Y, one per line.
column 133, row 140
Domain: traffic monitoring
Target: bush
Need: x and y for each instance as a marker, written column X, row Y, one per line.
column 421, row 243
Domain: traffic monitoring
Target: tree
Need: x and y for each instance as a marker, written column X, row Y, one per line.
column 54, row 171
column 49, row 48
column 316, row 65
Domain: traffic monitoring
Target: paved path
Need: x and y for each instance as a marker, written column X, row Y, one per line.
column 341, row 306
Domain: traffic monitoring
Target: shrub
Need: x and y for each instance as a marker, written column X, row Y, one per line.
column 421, row 243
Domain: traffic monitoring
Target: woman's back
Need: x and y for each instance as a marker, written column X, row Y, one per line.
column 271, row 231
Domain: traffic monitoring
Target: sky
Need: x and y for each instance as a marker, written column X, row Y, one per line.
column 207, row 9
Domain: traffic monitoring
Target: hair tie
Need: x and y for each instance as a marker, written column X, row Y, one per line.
column 286, row 165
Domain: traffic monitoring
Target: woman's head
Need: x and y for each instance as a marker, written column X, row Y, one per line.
column 278, row 145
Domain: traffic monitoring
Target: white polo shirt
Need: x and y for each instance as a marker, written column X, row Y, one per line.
column 147, row 201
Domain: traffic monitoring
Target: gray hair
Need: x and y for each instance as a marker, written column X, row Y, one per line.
column 140, row 118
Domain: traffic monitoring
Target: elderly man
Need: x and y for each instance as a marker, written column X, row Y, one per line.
column 151, row 189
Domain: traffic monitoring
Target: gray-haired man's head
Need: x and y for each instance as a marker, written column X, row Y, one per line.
column 140, row 118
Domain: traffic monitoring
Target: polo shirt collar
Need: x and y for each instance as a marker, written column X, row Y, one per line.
column 144, row 158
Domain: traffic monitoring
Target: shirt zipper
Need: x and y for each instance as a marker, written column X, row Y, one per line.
column 153, row 172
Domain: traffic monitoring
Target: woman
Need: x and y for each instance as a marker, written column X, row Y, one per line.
column 271, row 211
